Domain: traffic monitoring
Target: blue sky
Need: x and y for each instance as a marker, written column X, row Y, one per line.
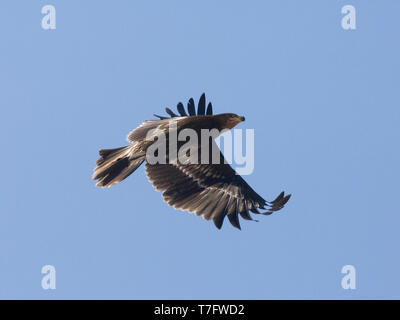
column 324, row 104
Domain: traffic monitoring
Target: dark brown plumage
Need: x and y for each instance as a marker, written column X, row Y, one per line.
column 212, row 191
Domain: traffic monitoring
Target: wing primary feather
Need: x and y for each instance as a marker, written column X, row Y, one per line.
column 234, row 220
column 254, row 210
column 170, row 112
column 209, row 109
column 280, row 204
column 278, row 198
column 191, row 109
column 219, row 220
column 201, row 109
column 245, row 215
column 181, row 109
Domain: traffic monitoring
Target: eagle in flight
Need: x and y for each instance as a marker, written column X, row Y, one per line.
column 212, row 190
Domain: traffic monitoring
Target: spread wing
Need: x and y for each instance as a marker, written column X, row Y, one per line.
column 140, row 132
column 212, row 191
column 201, row 109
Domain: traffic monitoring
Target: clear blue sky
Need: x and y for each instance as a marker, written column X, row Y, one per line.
column 324, row 103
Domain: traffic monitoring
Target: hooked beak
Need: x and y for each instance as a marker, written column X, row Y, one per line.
column 242, row 118
column 232, row 122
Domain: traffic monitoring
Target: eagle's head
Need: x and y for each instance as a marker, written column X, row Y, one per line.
column 228, row 120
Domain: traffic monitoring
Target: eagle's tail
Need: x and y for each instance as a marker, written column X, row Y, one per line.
column 114, row 165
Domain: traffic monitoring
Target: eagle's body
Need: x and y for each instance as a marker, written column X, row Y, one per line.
column 210, row 190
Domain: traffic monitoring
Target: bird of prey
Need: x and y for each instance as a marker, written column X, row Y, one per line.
column 211, row 190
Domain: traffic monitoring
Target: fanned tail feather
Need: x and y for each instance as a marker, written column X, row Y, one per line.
column 114, row 165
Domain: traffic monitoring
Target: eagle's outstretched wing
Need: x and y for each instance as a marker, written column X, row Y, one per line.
column 201, row 109
column 140, row 132
column 212, row 191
